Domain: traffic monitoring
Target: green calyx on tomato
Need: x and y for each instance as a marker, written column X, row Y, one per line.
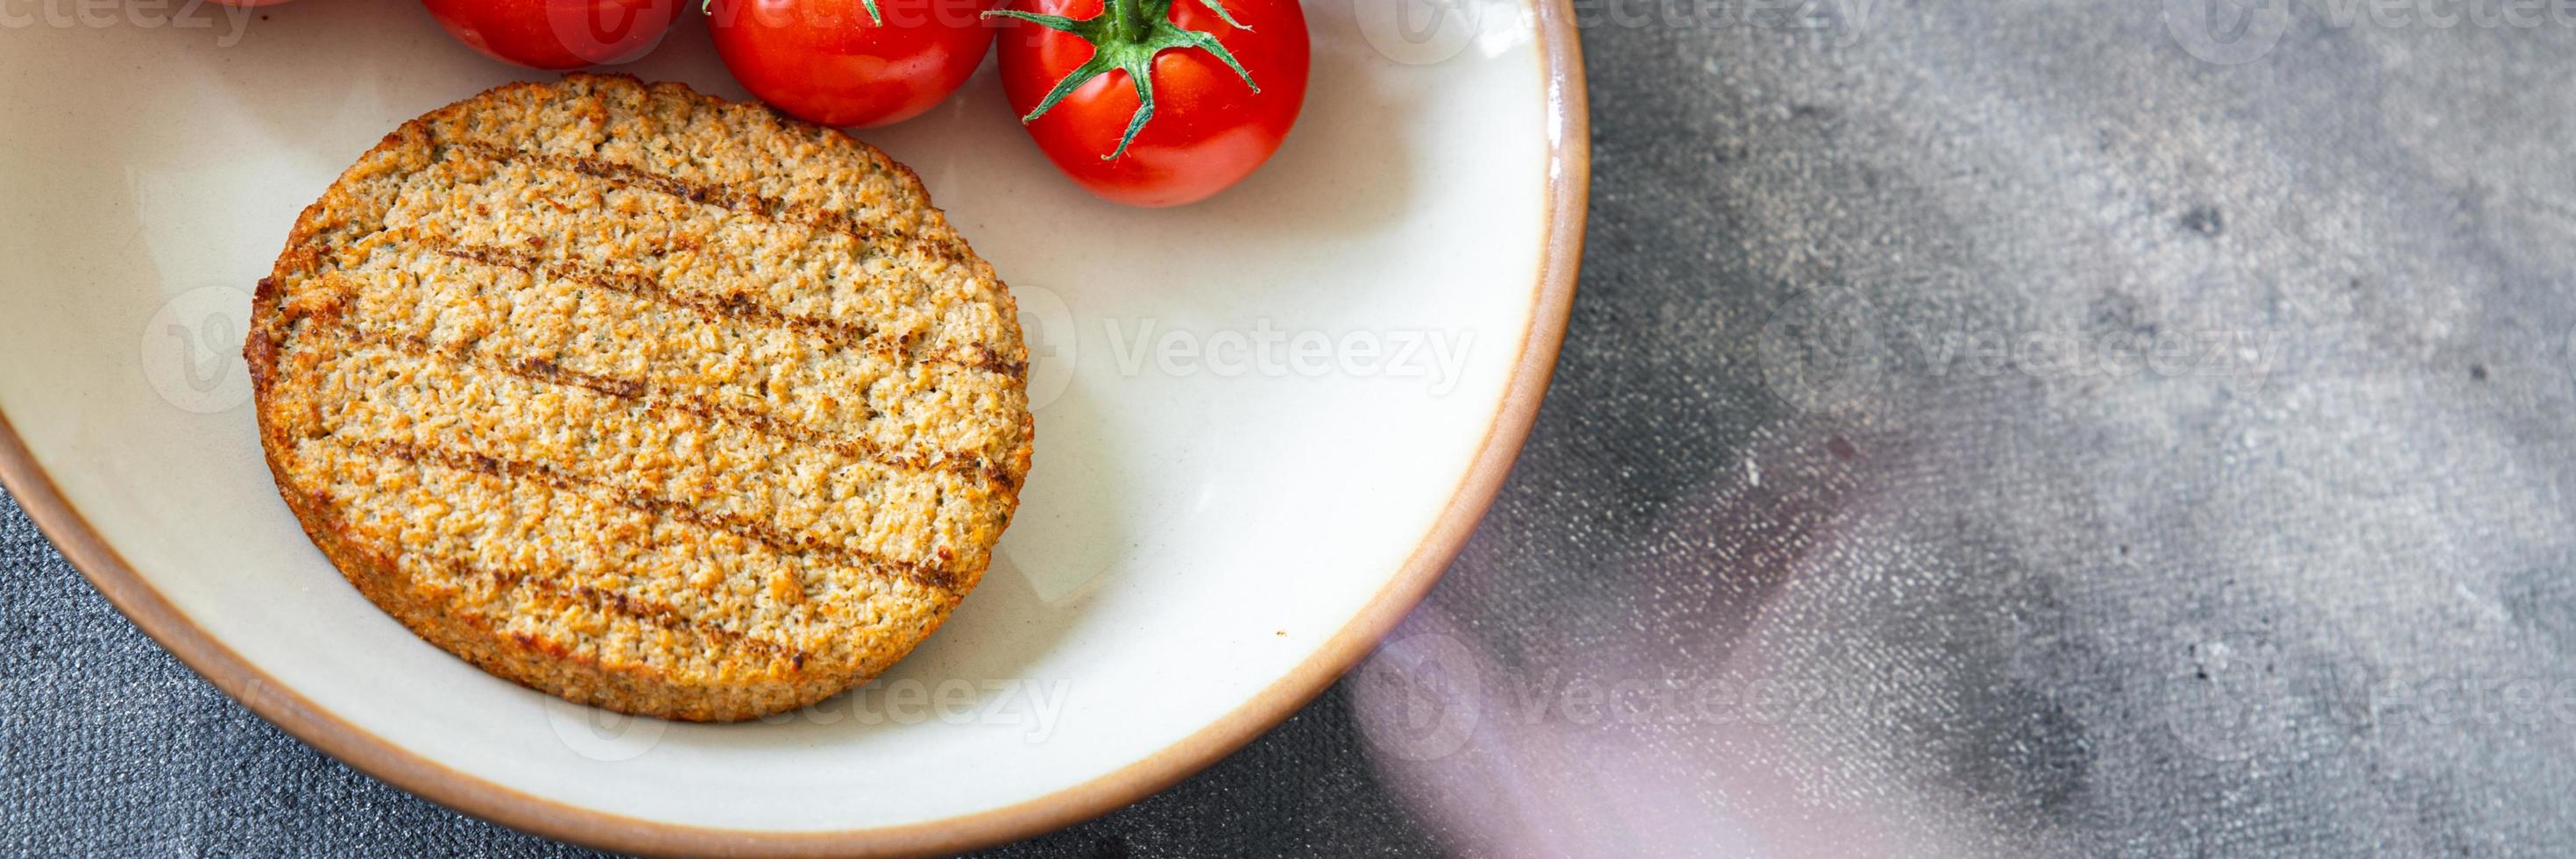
column 1125, row 36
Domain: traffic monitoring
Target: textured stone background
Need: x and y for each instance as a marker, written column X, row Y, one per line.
column 1988, row 429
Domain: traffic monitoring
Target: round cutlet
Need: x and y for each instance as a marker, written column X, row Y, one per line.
column 643, row 398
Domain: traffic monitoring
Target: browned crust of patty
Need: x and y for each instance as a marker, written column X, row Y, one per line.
column 745, row 674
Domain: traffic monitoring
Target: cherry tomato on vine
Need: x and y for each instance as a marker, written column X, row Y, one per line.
column 1155, row 102
column 558, row 34
column 851, row 62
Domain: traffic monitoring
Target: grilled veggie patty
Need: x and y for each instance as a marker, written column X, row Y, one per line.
column 643, row 398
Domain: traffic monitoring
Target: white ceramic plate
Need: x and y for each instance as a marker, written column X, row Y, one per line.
column 1213, row 530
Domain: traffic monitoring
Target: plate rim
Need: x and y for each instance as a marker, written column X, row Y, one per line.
column 1568, row 181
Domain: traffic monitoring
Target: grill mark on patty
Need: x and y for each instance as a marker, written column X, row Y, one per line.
column 981, row 356
column 719, row 195
column 737, row 306
column 371, row 498
column 646, row 611
column 641, row 393
column 474, row 462
column 768, row 209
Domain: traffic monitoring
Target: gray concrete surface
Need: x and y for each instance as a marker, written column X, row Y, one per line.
column 1997, row 429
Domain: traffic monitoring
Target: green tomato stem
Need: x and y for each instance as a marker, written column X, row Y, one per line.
column 1126, row 36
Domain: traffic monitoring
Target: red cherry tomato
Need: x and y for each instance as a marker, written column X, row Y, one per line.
column 558, row 34
column 841, row 62
column 1211, row 122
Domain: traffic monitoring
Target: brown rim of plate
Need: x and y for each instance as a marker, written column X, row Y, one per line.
column 1568, row 180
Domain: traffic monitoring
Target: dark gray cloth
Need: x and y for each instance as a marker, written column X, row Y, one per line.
column 1989, row 429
